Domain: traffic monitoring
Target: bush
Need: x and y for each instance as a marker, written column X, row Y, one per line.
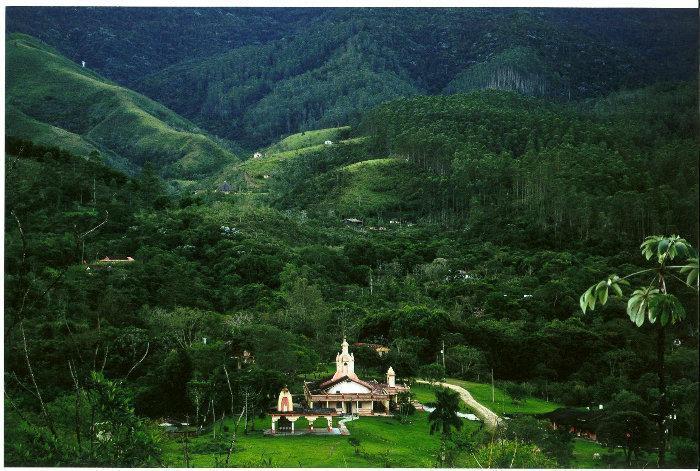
column 516, row 391
column 433, row 372
column 686, row 452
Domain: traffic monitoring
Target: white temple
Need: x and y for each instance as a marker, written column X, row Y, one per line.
column 348, row 394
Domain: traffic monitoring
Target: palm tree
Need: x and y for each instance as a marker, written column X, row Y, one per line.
column 444, row 417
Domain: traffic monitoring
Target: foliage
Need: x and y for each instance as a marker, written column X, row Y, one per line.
column 444, row 417
column 510, row 454
column 630, row 430
column 433, row 372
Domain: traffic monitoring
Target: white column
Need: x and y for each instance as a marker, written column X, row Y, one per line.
column 274, row 419
column 293, row 426
column 330, row 422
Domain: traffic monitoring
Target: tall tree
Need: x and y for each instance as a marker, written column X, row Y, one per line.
column 654, row 302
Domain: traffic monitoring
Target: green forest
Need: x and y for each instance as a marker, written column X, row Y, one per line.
column 456, row 218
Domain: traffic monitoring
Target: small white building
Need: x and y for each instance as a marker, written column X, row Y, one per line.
column 257, row 155
column 328, row 143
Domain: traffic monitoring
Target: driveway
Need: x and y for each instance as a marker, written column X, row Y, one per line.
column 490, row 419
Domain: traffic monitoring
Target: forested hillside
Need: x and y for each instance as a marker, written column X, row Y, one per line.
column 54, row 101
column 256, row 75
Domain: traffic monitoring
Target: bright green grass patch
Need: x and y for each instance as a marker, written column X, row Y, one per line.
column 384, row 442
column 308, row 139
column 270, row 163
column 503, row 403
column 369, row 187
column 425, row 394
column 584, row 451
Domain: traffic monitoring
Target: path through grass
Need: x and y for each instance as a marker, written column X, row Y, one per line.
column 503, row 403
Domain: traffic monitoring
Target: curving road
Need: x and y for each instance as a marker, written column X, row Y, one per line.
column 491, row 420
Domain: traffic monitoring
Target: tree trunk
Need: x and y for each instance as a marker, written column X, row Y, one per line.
column 661, row 420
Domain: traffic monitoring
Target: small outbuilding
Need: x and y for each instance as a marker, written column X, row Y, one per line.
column 353, row 221
column 225, row 188
column 287, row 413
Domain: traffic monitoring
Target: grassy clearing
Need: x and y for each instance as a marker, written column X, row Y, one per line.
column 308, row 139
column 424, row 393
column 270, row 162
column 384, row 442
column 503, row 403
column 370, row 187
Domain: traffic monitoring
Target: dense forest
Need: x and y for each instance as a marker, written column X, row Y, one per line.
column 473, row 219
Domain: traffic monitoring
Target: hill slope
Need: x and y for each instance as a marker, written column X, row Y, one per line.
column 500, row 164
column 255, row 75
column 52, row 93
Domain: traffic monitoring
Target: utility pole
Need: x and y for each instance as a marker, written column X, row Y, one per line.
column 493, row 390
column 443, row 353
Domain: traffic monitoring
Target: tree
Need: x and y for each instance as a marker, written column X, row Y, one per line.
column 629, row 430
column 516, row 391
column 406, row 408
column 653, row 302
column 433, row 372
column 511, row 454
column 444, row 417
column 556, row 444
column 465, row 360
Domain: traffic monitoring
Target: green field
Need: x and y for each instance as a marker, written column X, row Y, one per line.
column 424, row 393
column 384, row 442
column 503, row 403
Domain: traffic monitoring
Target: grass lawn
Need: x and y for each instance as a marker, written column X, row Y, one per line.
column 424, row 393
column 584, row 451
column 384, row 442
column 503, row 404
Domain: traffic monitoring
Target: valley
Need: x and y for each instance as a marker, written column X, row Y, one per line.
column 191, row 231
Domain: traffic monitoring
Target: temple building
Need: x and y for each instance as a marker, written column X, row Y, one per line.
column 346, row 393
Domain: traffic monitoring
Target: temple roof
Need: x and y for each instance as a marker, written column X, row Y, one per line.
column 320, row 386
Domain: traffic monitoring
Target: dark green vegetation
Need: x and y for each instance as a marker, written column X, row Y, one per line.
column 55, row 101
column 485, row 216
column 254, row 75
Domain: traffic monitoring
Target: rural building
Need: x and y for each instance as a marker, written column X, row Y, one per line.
column 107, row 263
column 257, row 155
column 328, row 143
column 225, row 187
column 348, row 394
column 380, row 349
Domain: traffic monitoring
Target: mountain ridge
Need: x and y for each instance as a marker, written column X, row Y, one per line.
column 128, row 128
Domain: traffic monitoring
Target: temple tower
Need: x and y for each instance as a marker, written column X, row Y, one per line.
column 391, row 378
column 344, row 362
